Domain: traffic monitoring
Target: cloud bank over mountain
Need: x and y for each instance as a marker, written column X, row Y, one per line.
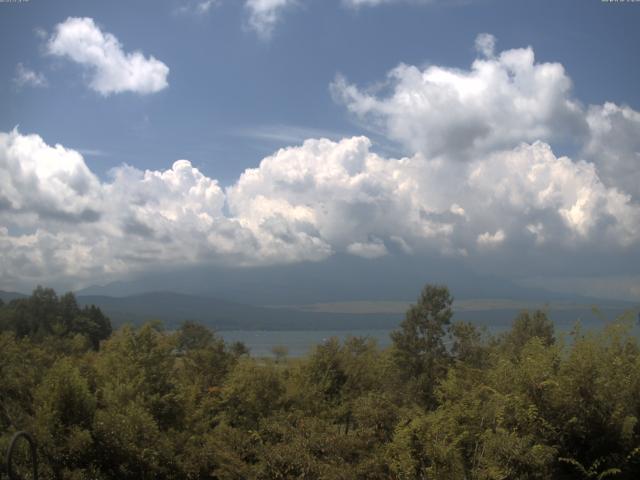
column 481, row 178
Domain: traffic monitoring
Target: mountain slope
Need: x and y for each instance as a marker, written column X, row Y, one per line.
column 8, row 296
column 173, row 308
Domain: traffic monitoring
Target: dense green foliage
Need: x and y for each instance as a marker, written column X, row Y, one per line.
column 446, row 401
column 45, row 315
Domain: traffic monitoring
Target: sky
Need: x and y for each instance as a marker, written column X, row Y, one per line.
column 497, row 138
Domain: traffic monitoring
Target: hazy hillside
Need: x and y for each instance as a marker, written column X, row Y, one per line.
column 173, row 308
column 338, row 279
column 8, row 296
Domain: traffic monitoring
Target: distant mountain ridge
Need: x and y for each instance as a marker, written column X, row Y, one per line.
column 173, row 308
column 342, row 278
column 8, row 296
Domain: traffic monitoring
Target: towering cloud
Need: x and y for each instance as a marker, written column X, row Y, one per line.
column 302, row 203
column 501, row 101
column 614, row 145
column 112, row 70
column 44, row 182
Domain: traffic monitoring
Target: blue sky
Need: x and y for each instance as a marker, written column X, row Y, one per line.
column 238, row 87
column 227, row 83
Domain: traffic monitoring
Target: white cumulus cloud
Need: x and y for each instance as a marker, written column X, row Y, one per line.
column 111, row 69
column 532, row 182
column 36, row 178
column 500, row 101
column 511, row 193
column 303, row 203
column 373, row 249
column 487, row 239
column 614, row 145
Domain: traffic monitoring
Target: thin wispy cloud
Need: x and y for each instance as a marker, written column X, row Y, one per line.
column 40, row 33
column 206, row 5
column 91, row 152
column 285, row 134
column 375, row 3
column 264, row 15
column 25, row 77
column 197, row 7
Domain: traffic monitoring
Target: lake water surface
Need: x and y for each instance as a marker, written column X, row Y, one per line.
column 299, row 342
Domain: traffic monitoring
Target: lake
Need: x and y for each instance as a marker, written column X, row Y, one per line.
column 299, row 342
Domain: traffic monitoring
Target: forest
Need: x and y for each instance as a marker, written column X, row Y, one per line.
column 446, row 400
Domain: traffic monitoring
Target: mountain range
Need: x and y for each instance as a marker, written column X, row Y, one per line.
column 173, row 308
